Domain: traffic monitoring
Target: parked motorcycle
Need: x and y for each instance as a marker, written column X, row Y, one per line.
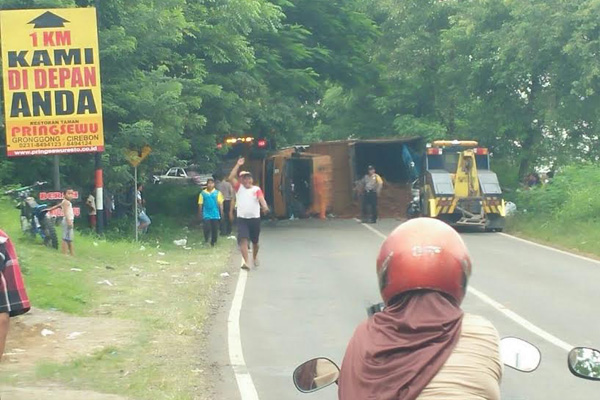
column 413, row 210
column 34, row 217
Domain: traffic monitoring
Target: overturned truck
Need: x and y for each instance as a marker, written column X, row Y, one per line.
column 458, row 187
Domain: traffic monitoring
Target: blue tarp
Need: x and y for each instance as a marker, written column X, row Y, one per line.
column 411, row 161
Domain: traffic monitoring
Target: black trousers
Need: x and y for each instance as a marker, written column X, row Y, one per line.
column 369, row 206
column 211, row 230
column 226, row 223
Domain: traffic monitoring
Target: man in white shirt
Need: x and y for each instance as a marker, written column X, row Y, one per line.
column 250, row 200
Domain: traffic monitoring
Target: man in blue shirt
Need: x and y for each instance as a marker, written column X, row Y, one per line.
column 210, row 209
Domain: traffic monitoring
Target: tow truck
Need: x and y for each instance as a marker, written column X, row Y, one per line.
column 458, row 186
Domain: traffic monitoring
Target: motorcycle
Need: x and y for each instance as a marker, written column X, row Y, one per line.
column 34, row 217
column 413, row 210
column 515, row 353
column 584, row 362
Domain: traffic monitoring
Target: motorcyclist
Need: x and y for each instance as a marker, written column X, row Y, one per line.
column 422, row 345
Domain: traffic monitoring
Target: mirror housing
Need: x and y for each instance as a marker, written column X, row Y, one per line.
column 584, row 362
column 315, row 374
column 519, row 354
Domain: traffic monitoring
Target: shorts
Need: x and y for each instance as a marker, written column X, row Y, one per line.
column 68, row 233
column 248, row 228
column 143, row 218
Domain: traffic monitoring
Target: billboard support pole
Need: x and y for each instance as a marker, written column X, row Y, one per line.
column 99, row 193
column 98, row 164
column 135, row 201
column 56, row 172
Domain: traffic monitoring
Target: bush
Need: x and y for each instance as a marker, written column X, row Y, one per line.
column 573, row 195
column 172, row 200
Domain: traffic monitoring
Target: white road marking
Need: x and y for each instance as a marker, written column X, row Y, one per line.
column 550, row 248
column 505, row 311
column 234, row 336
column 520, row 320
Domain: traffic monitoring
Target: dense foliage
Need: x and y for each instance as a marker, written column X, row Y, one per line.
column 520, row 76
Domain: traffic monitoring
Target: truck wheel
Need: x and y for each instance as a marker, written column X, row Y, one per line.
column 51, row 239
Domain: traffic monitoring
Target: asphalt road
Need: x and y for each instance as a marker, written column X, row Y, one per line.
column 316, row 279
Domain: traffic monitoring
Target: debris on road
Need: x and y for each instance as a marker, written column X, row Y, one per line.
column 225, row 275
column 142, row 248
column 47, row 332
column 109, row 267
column 150, row 301
column 161, row 253
column 105, row 282
column 180, row 242
column 74, row 335
column 163, row 262
column 76, row 269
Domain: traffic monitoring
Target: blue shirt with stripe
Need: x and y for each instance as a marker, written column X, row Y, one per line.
column 210, row 204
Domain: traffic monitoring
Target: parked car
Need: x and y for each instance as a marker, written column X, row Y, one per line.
column 182, row 176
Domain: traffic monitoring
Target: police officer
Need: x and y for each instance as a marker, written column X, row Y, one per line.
column 372, row 185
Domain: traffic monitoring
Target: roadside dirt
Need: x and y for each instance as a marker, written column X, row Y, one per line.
column 53, row 393
column 57, row 337
column 42, row 335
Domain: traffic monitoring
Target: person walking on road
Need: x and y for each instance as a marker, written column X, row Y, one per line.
column 226, row 221
column 210, row 210
column 13, row 297
column 249, row 199
column 371, row 186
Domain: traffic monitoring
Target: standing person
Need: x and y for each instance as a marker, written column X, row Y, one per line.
column 321, row 192
column 249, row 199
column 227, row 191
column 13, row 297
column 67, row 222
column 210, row 210
column 372, row 185
column 91, row 208
column 143, row 219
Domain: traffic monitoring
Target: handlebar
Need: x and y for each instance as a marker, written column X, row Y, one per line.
column 19, row 190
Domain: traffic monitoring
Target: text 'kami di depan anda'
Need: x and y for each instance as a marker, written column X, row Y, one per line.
column 52, row 89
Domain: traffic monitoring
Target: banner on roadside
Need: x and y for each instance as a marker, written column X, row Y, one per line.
column 51, row 79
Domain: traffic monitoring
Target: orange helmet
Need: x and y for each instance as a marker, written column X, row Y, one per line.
column 423, row 253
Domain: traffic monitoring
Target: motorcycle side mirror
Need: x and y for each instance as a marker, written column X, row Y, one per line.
column 584, row 362
column 316, row 374
column 520, row 355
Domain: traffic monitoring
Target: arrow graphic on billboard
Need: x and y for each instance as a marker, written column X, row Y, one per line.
column 48, row 20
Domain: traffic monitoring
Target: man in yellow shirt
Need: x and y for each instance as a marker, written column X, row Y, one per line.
column 210, row 210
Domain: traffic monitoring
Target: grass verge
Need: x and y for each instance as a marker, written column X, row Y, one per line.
column 165, row 291
column 580, row 237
